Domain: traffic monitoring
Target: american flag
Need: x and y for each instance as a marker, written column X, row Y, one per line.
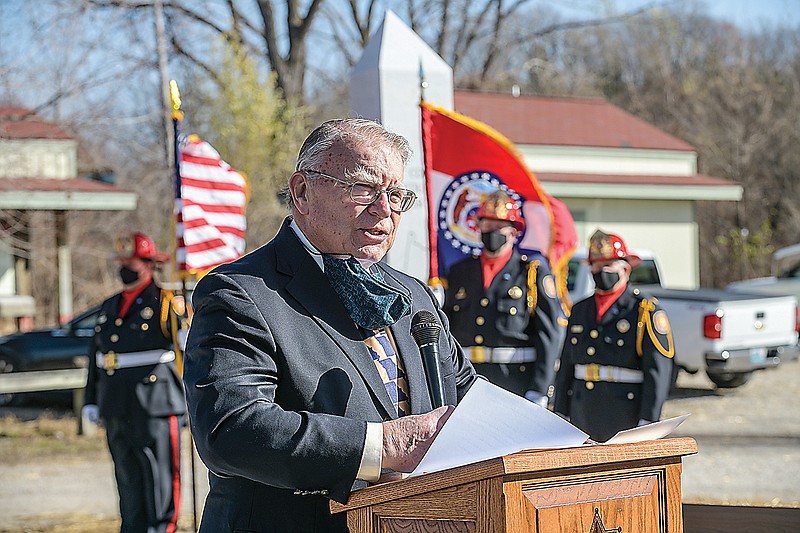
column 210, row 208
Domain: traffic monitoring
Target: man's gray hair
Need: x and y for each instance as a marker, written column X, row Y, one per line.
column 353, row 132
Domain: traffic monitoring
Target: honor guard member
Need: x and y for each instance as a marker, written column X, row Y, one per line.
column 617, row 360
column 503, row 307
column 134, row 387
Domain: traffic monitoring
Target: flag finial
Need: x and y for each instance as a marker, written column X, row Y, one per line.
column 175, row 98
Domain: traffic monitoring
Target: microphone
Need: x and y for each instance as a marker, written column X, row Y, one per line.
column 425, row 330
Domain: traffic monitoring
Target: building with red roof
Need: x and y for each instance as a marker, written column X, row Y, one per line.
column 612, row 169
column 38, row 171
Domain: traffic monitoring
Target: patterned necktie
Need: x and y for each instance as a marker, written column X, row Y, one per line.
column 390, row 369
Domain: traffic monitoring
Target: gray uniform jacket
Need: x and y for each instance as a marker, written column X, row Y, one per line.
column 280, row 387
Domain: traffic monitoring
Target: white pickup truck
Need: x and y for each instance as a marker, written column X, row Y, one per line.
column 728, row 335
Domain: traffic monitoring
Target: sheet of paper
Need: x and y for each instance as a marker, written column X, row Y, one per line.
column 653, row 431
column 490, row 422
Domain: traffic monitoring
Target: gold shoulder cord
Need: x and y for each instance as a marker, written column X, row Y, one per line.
column 532, row 291
column 646, row 322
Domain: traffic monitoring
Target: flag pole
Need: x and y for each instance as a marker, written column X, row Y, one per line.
column 433, row 271
column 177, row 117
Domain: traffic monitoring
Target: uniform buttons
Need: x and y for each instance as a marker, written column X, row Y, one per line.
column 118, row 322
column 145, row 327
column 97, row 329
column 590, row 350
column 152, row 378
column 484, row 302
column 631, row 396
column 522, row 368
column 593, row 334
column 589, row 385
column 512, row 311
column 620, row 342
column 480, row 321
column 456, row 307
column 574, row 340
column 114, row 337
column 478, row 339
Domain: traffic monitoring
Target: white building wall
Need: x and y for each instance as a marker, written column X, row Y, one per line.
column 38, row 158
column 667, row 228
column 590, row 160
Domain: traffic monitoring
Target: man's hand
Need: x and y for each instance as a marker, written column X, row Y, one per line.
column 406, row 439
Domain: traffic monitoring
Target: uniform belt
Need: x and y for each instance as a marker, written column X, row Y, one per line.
column 508, row 355
column 611, row 374
column 113, row 360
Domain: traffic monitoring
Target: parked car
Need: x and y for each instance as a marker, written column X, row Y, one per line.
column 55, row 348
column 726, row 334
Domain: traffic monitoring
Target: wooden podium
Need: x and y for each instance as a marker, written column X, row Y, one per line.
column 622, row 488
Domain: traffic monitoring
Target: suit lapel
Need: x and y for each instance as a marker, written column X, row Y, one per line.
column 309, row 286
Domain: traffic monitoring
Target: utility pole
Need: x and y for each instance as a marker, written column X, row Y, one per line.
column 163, row 76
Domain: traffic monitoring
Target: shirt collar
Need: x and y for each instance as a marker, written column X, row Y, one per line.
column 316, row 254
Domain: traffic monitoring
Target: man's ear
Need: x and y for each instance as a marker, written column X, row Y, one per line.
column 298, row 189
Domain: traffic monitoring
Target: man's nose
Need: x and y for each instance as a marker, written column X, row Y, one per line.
column 381, row 206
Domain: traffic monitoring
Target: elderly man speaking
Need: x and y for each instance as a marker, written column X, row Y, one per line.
column 303, row 380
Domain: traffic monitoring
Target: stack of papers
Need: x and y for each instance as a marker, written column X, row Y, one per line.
column 492, row 422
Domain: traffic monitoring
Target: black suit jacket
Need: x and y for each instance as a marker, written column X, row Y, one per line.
column 603, row 408
column 140, row 392
column 280, row 387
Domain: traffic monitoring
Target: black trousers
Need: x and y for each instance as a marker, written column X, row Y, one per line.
column 146, row 456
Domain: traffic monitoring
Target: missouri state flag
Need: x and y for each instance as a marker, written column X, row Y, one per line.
column 209, row 207
column 465, row 161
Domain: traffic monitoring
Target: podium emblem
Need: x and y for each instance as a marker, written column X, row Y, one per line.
column 598, row 527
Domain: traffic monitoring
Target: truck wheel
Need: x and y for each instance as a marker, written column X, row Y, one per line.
column 6, row 367
column 729, row 380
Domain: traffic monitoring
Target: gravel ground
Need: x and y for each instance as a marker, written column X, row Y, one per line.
column 748, row 440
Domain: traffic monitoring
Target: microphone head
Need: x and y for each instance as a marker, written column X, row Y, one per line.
column 425, row 328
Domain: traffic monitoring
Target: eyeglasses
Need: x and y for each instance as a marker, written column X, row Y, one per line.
column 363, row 193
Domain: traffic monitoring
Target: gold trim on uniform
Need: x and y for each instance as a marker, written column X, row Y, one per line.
column 146, row 313
column 179, row 305
column 480, row 320
column 484, row 302
column 623, row 326
column 461, row 293
column 478, row 339
column 515, row 292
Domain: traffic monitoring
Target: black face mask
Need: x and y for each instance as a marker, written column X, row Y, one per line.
column 493, row 240
column 127, row 275
column 605, row 281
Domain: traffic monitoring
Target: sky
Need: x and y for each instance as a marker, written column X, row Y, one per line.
column 746, row 14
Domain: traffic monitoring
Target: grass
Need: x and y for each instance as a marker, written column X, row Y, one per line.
column 51, row 436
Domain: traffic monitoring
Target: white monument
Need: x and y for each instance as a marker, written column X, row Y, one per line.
column 385, row 86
